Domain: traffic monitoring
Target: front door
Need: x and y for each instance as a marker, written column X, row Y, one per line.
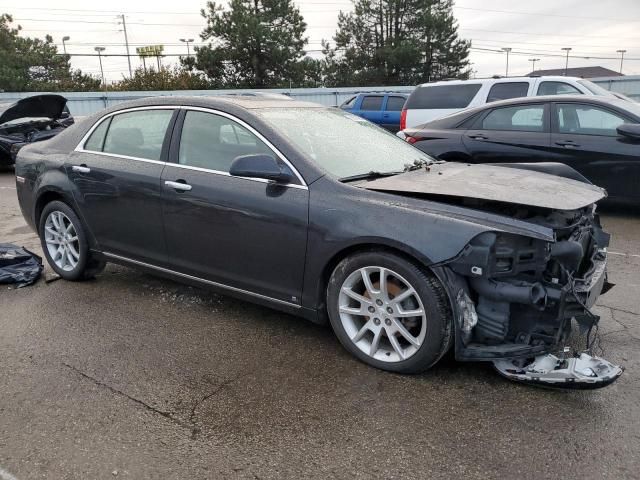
column 510, row 134
column 243, row 233
column 117, row 176
column 585, row 138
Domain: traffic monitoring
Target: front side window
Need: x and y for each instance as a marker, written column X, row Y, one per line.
column 557, row 88
column 137, row 134
column 349, row 103
column 213, row 142
column 525, row 118
column 587, row 120
column 503, row 91
column 372, row 103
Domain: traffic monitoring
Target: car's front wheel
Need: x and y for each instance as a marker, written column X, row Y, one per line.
column 65, row 244
column 388, row 312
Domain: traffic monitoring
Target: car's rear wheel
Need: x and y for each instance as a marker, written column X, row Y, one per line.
column 65, row 244
column 388, row 312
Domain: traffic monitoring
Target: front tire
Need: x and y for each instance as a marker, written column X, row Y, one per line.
column 388, row 312
column 65, row 244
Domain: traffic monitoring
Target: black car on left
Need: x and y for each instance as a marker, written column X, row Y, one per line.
column 31, row 119
column 598, row 137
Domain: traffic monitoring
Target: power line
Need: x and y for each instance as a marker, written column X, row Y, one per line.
column 545, row 34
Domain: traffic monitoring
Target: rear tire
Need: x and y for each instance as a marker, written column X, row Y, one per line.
column 64, row 242
column 398, row 320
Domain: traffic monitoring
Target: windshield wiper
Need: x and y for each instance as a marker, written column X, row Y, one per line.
column 372, row 175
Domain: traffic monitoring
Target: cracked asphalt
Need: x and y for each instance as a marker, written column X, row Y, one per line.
column 131, row 376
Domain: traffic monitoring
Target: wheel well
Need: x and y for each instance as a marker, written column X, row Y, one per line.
column 341, row 255
column 43, row 199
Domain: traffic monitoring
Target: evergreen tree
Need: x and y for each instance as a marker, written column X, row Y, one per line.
column 32, row 64
column 254, row 43
column 396, row 42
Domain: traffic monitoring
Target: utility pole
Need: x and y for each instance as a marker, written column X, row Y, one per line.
column 533, row 63
column 126, row 41
column 100, row 50
column 507, row 49
column 621, row 52
column 66, row 38
column 566, row 63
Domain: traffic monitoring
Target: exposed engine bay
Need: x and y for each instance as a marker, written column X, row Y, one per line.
column 517, row 297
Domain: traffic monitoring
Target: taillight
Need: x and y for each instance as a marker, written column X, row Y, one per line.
column 403, row 119
column 411, row 140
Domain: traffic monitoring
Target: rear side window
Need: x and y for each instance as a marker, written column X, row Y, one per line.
column 525, row 118
column 395, row 104
column 443, row 96
column 96, row 140
column 349, row 103
column 372, row 103
column 138, row 134
column 503, row 91
column 557, row 88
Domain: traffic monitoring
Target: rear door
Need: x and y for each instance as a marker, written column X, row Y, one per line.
column 371, row 108
column 585, row 138
column 518, row 133
column 247, row 234
column 391, row 114
column 117, row 171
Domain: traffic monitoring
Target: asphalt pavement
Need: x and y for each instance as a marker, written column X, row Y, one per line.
column 132, row 376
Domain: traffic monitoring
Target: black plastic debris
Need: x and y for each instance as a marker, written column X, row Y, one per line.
column 18, row 265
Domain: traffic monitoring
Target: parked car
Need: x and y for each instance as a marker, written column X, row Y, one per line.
column 599, row 137
column 380, row 108
column 31, row 119
column 274, row 202
column 431, row 101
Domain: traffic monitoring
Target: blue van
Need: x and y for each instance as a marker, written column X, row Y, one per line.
column 383, row 109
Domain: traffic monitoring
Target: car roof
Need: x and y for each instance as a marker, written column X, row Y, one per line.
column 456, row 118
column 476, row 81
column 215, row 102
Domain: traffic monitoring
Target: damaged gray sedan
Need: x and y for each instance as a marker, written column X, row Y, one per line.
column 320, row 214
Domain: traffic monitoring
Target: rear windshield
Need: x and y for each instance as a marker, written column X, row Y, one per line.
column 442, row 96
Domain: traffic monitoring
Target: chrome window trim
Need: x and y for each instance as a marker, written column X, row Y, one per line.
column 80, row 147
column 201, row 280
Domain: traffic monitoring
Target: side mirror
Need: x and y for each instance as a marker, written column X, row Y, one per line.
column 259, row 165
column 630, row 130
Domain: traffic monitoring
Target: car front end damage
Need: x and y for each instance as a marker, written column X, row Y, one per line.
column 515, row 298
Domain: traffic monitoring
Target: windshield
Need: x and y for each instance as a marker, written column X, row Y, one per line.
column 341, row 143
column 595, row 89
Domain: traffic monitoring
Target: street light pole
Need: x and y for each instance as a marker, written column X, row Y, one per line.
column 507, row 49
column 100, row 50
column 533, row 63
column 187, row 41
column 621, row 52
column 126, row 41
column 64, row 47
column 566, row 63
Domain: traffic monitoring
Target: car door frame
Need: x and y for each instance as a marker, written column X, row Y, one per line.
column 483, row 135
column 294, row 302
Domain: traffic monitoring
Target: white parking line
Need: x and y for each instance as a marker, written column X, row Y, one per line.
column 7, row 188
column 4, row 475
column 623, row 254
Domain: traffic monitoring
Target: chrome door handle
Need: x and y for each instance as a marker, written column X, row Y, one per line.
column 178, row 185
column 81, row 169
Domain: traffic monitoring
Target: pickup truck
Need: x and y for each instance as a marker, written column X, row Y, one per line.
column 380, row 108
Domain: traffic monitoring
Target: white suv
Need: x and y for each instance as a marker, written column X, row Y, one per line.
column 431, row 101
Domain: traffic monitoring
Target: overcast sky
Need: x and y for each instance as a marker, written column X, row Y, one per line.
column 532, row 29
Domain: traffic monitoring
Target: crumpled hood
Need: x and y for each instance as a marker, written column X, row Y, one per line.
column 49, row 106
column 489, row 182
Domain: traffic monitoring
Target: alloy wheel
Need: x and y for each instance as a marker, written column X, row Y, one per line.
column 62, row 242
column 382, row 314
